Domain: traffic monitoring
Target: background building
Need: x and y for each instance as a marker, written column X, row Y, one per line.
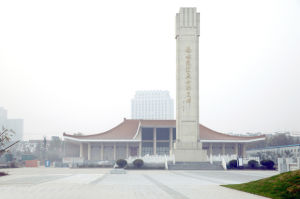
column 283, row 151
column 14, row 124
column 149, row 137
column 17, row 126
column 153, row 104
column 291, row 152
column 3, row 117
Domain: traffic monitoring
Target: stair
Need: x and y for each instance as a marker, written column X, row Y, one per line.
column 195, row 166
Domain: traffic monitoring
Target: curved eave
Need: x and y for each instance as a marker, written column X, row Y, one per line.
column 137, row 131
column 231, row 141
column 99, row 140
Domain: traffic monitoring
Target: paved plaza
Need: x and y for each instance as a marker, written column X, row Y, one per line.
column 31, row 183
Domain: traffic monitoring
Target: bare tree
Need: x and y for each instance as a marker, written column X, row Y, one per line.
column 5, row 138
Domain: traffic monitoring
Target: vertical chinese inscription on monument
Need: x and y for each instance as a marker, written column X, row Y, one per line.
column 188, row 74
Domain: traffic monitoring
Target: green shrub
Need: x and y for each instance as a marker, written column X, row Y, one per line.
column 267, row 163
column 121, row 163
column 253, row 164
column 232, row 164
column 138, row 163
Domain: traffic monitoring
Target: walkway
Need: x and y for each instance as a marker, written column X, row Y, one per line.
column 51, row 183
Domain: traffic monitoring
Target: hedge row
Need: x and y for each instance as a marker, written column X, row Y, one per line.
column 253, row 164
column 138, row 163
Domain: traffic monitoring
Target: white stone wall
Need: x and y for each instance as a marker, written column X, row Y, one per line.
column 95, row 152
column 108, row 152
column 121, row 151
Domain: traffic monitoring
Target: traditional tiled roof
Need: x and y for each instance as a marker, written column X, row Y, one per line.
column 128, row 129
column 124, row 131
column 208, row 134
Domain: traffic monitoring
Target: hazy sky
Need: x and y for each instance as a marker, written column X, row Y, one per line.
column 74, row 66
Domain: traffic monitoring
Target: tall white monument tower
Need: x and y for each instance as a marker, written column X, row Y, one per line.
column 187, row 147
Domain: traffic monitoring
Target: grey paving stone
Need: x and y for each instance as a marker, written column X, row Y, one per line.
column 50, row 183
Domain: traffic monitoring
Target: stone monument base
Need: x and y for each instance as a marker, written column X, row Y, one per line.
column 190, row 155
column 189, row 152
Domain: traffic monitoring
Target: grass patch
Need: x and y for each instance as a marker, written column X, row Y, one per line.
column 282, row 186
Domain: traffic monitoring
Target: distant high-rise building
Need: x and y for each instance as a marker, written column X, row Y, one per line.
column 14, row 124
column 3, row 118
column 152, row 105
column 17, row 126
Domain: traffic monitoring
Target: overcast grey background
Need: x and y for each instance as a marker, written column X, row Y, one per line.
column 74, row 66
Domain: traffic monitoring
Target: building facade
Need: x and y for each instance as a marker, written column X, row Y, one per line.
column 153, row 105
column 148, row 137
column 152, row 130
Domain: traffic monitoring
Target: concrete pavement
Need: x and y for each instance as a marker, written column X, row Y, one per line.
column 30, row 183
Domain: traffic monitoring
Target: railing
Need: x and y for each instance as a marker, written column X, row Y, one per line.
column 246, row 160
column 152, row 158
column 227, row 158
column 293, row 166
column 288, row 164
column 224, row 165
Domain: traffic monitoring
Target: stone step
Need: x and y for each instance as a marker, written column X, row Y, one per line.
column 195, row 166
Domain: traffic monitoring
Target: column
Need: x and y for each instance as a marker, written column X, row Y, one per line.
column 154, row 141
column 223, row 148
column 81, row 150
column 89, row 151
column 171, row 140
column 101, row 151
column 210, row 153
column 236, row 149
column 64, row 148
column 280, row 164
column 127, row 150
column 140, row 149
column 244, row 150
column 115, row 151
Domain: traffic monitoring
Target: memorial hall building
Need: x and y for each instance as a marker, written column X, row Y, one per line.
column 134, row 137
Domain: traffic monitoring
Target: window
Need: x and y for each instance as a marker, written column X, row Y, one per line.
column 147, row 133
column 162, row 134
column 147, row 148
column 162, row 148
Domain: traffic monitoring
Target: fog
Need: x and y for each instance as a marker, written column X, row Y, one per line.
column 74, row 66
